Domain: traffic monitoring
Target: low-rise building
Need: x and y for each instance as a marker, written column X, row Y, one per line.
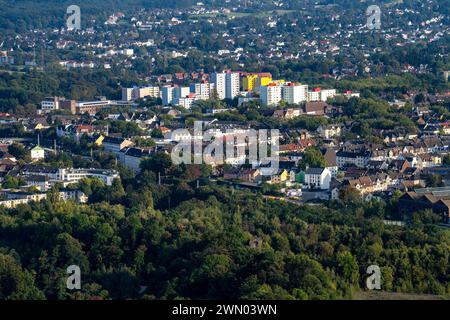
column 37, row 153
column 114, row 144
column 318, row 178
column 132, row 157
column 358, row 158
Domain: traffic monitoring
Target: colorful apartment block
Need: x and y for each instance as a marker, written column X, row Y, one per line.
column 249, row 82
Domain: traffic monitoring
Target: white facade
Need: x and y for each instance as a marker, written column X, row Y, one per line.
column 328, row 93
column 37, row 153
column 231, row 85
column 318, row 178
column 202, row 90
column 329, row 131
column 270, row 95
column 313, row 95
column 219, row 84
column 75, row 175
column 294, row 94
column 226, row 84
column 350, row 94
column 185, row 102
column 50, row 104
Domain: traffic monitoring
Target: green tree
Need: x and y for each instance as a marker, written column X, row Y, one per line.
column 349, row 194
column 11, row 182
column 15, row 282
column 18, row 151
column 312, row 157
column 160, row 162
column 348, row 266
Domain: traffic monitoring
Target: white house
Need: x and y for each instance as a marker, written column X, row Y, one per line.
column 329, row 131
column 72, row 175
column 37, row 153
column 318, row 178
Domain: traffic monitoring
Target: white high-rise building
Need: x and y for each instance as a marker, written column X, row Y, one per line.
column 270, row 94
column 327, row 93
column 294, row 94
column 226, row 84
column 231, row 85
column 202, row 90
column 218, row 79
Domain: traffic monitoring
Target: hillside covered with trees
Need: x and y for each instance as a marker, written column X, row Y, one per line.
column 137, row 239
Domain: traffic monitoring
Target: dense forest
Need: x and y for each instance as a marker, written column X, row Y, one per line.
column 138, row 239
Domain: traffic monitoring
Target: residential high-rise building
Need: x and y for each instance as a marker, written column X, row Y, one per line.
column 270, row 94
column 232, row 85
column 314, row 95
column 168, row 93
column 226, row 84
column 127, row 94
column 181, row 92
column 185, row 102
column 149, row 91
column 202, row 90
column 134, row 93
column 252, row 81
column 328, row 93
column 218, row 79
column 249, row 82
column 264, row 78
column 291, row 93
column 294, row 94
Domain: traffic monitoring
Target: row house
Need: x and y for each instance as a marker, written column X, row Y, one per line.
column 358, row 158
column 77, row 131
column 132, row 157
column 246, row 175
column 318, row 178
column 370, row 184
column 114, row 144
